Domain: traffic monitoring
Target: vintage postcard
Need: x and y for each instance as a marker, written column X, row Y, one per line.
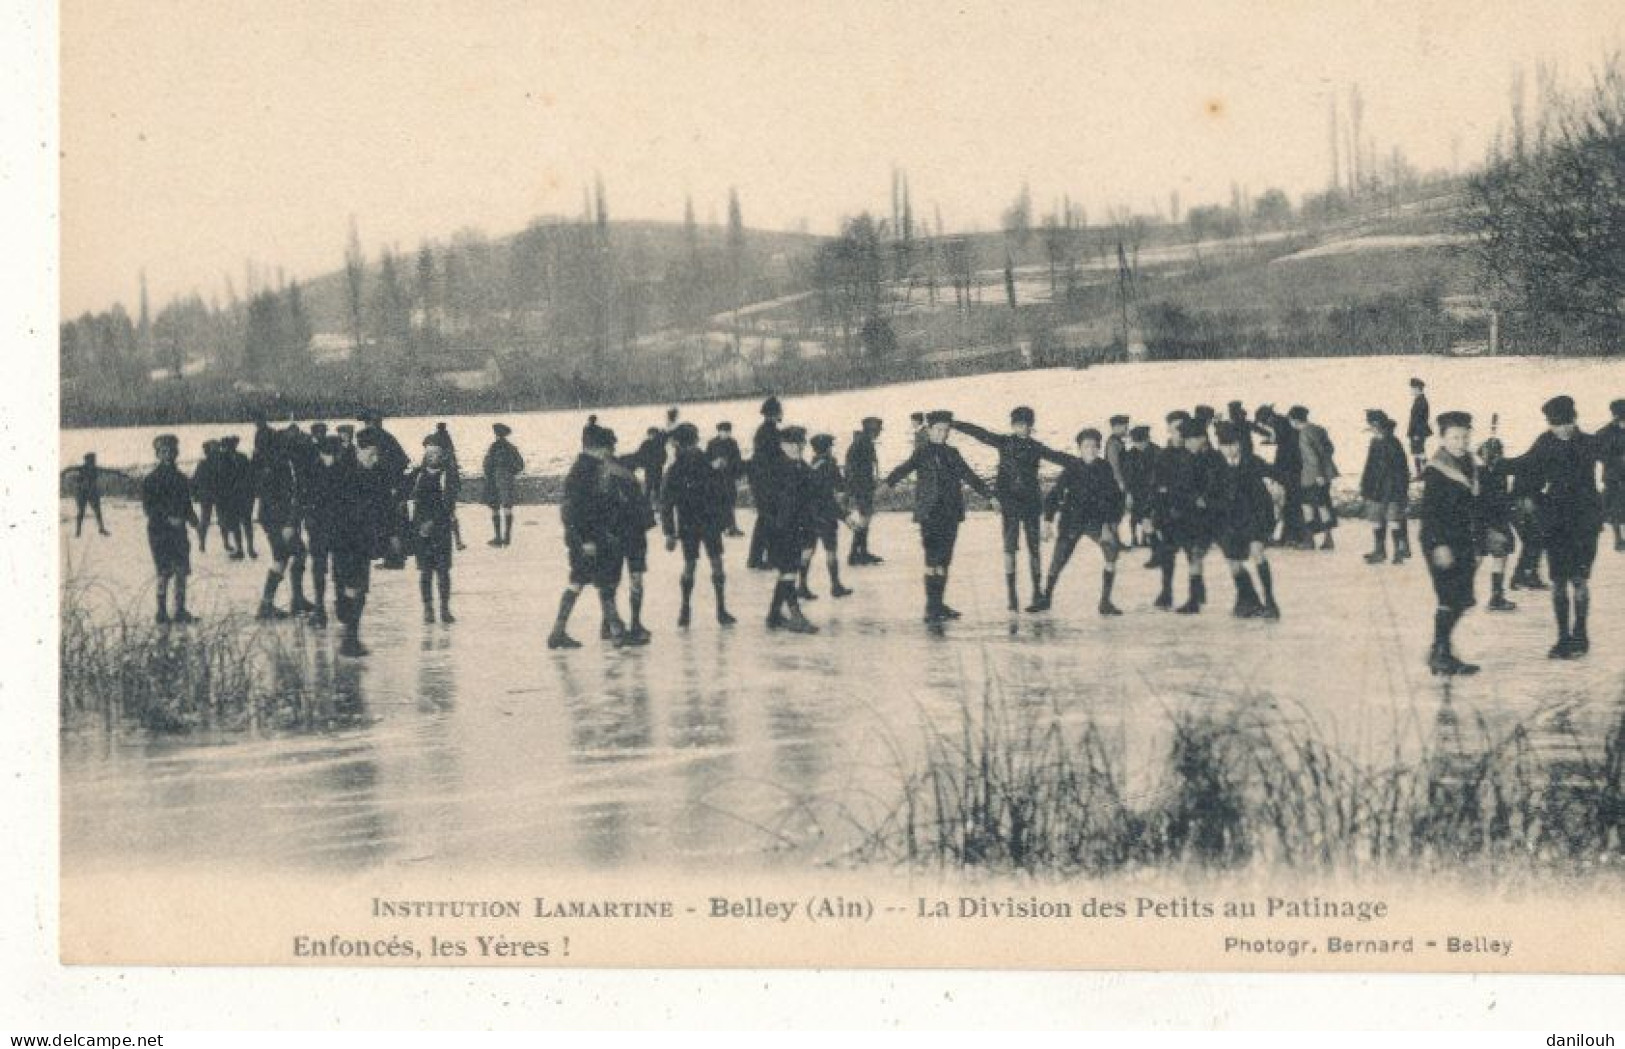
column 1036, row 486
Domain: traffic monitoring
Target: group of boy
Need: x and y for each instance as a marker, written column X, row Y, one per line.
column 329, row 505
column 345, row 500
column 1476, row 507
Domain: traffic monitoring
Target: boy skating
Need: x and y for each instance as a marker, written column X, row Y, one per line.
column 1243, row 515
column 862, row 476
column 939, row 506
column 1450, row 536
column 1385, row 489
column 1021, row 500
column 1556, row 481
column 1089, row 504
column 501, row 469
column 166, row 499
column 696, row 503
column 430, row 505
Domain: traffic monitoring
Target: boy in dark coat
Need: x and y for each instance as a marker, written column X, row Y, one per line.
column 362, row 516
column 1089, row 504
column 1495, row 510
column 1451, row 535
column 278, row 480
column 206, row 490
column 724, row 447
column 323, row 495
column 1557, row 482
column 395, row 463
column 651, row 459
column 939, row 506
column 696, row 502
column 631, row 518
column 237, row 497
column 785, row 487
column 87, row 492
column 166, row 499
column 1385, row 488
column 501, row 468
column 827, row 488
column 1417, row 429
column 1021, row 500
column 1139, row 479
column 430, row 503
column 1116, row 444
column 1319, row 471
column 1611, row 449
column 764, row 455
column 1243, row 515
column 1163, row 552
column 1286, row 469
column 862, row 475
column 1187, row 477
column 588, row 514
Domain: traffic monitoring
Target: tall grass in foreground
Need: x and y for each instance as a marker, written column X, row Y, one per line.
column 1008, row 788
column 220, row 673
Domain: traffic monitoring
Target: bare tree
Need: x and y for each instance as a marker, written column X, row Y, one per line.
column 1550, row 222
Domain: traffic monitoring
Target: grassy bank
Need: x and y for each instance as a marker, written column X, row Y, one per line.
column 1007, row 788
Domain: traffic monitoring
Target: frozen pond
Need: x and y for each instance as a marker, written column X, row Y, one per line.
column 472, row 742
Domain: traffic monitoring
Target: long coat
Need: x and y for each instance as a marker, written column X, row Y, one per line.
column 1386, row 477
column 1315, row 445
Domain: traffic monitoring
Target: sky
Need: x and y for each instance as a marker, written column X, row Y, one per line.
column 200, row 134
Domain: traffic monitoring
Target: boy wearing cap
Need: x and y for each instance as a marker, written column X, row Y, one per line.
column 238, row 495
column 1162, row 551
column 1417, row 429
column 765, row 454
column 632, row 515
column 1021, row 499
column 939, row 507
column 1089, row 504
column 1319, row 470
column 206, row 490
column 166, row 499
column 1243, row 514
column 1116, row 442
column 696, row 499
column 430, row 499
column 1495, row 509
column 1191, row 482
column 1611, row 449
column 587, row 514
column 862, row 475
column 724, row 447
column 786, row 510
column 1451, row 535
column 1286, row 469
column 1139, row 480
column 323, row 493
column 824, row 476
column 87, row 492
column 501, row 468
column 1557, row 482
column 277, row 482
column 394, row 462
column 361, row 518
column 1385, row 489
column 651, row 459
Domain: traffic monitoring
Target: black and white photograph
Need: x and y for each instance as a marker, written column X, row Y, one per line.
column 1049, row 486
